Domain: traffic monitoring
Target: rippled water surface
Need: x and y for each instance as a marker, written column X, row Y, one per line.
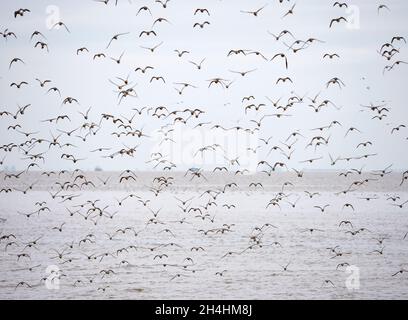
column 153, row 259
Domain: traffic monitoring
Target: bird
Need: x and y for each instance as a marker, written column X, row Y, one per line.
column 401, row 271
column 152, row 49
column 290, row 11
column 337, row 20
column 281, row 55
column 329, row 282
column 21, row 12
column 15, row 60
column 284, row 79
column 322, row 208
column 116, row 37
column 254, row 13
column 243, row 73
column 147, row 33
column 381, row 7
column 340, row 4
column 144, row 8
column 198, row 65
column 201, row 10
column 180, row 53
column 201, row 25
column 331, row 56
column 60, row 24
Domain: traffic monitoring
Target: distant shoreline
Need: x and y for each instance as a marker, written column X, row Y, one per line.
column 311, row 180
column 317, row 171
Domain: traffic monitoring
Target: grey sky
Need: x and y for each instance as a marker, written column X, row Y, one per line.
column 92, row 24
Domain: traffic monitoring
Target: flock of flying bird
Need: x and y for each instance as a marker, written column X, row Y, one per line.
column 65, row 196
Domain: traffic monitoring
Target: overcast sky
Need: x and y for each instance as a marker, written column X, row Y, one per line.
column 92, row 24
